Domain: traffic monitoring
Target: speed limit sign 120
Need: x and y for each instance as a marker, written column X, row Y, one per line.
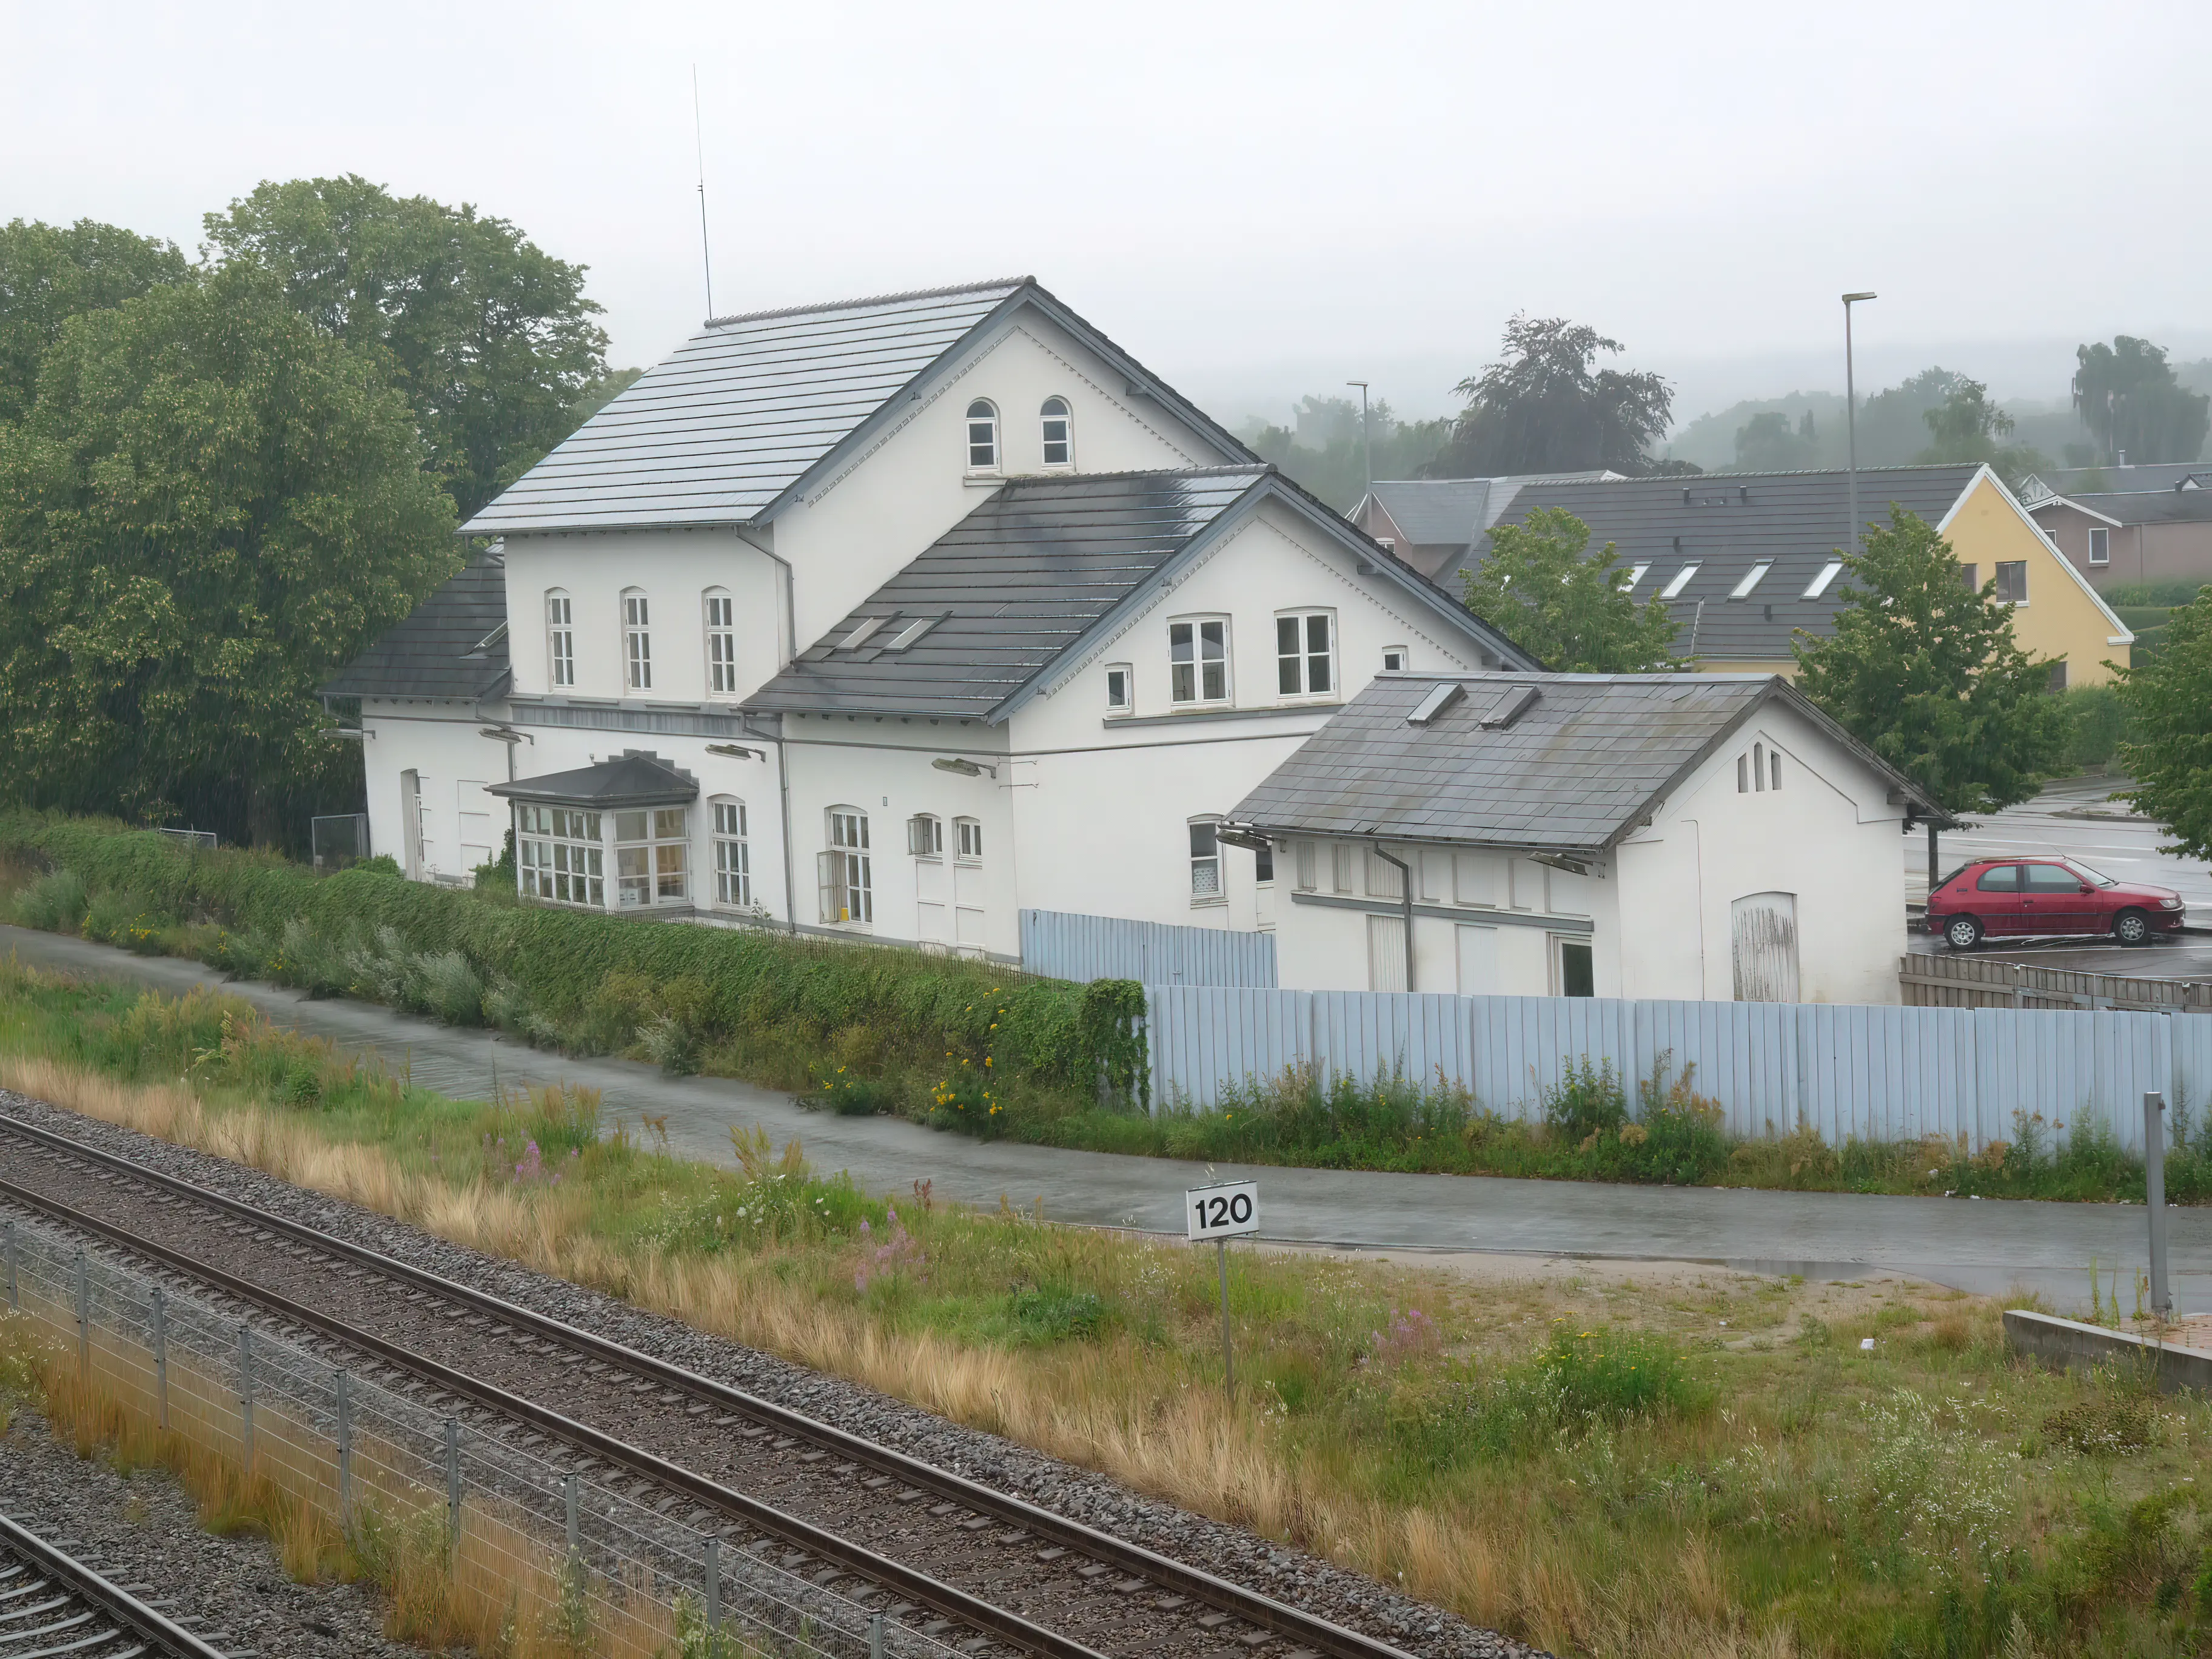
column 1222, row 1212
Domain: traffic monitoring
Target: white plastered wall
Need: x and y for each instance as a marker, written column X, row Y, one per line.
column 441, row 743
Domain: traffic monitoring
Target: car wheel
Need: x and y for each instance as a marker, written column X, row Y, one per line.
column 1962, row 932
column 2131, row 928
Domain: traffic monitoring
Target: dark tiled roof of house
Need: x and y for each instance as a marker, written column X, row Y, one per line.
column 2116, row 480
column 1443, row 516
column 451, row 645
column 1726, row 525
column 636, row 777
column 2141, row 506
column 1574, row 770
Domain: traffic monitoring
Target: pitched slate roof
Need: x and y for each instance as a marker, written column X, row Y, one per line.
column 2113, row 480
column 1725, row 524
column 451, row 645
column 2140, row 506
column 1577, row 769
column 1451, row 512
column 636, row 777
column 725, row 430
column 1026, row 575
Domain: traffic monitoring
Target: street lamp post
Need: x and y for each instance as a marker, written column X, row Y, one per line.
column 1851, row 412
column 1366, row 434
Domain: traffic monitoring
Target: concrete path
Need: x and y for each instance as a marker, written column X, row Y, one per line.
column 1983, row 1247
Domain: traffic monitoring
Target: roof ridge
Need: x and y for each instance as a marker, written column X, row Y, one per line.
column 1691, row 480
column 866, row 300
column 1229, row 469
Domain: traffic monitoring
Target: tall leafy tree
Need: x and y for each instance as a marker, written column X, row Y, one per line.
column 1925, row 671
column 493, row 337
column 2169, row 752
column 1766, row 443
column 1328, row 452
column 1568, row 607
column 1543, row 408
column 49, row 273
column 1967, row 427
column 210, row 506
column 2130, row 400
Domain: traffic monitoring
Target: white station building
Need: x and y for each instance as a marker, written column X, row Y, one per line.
column 890, row 617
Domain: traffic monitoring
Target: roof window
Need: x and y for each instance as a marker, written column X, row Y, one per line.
column 1681, row 579
column 1752, row 578
column 1440, row 697
column 1819, row 584
column 1636, row 576
column 913, row 631
column 1509, row 708
column 861, row 635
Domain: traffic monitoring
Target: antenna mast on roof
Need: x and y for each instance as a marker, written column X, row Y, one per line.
column 699, row 138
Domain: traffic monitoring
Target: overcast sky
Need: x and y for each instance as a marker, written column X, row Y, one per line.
column 1258, row 201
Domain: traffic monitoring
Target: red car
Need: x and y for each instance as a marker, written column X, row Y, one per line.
column 1992, row 896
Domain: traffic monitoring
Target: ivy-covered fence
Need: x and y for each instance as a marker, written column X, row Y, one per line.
column 1045, row 1030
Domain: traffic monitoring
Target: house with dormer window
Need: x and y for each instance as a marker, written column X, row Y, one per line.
column 889, row 618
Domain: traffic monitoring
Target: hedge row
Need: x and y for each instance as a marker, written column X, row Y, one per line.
column 1052, row 1031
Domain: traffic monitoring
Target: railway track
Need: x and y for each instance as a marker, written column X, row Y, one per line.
column 1014, row 1574
column 52, row 1603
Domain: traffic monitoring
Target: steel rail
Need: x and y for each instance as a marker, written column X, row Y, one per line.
column 953, row 1603
column 1248, row 1605
column 96, row 1590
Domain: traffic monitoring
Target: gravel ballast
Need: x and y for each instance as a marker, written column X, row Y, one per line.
column 1232, row 1552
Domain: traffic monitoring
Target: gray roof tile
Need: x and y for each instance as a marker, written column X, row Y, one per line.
column 436, row 652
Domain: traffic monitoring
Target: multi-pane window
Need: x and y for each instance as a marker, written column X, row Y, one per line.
column 733, row 860
column 1305, row 664
column 652, row 857
column 982, row 437
column 1058, row 443
column 557, row 855
column 638, row 641
column 925, row 836
column 1120, row 695
column 1197, row 661
column 2100, row 544
column 971, row 834
column 2012, row 581
column 721, row 645
column 1205, row 860
column 848, row 884
column 1395, row 659
column 560, row 640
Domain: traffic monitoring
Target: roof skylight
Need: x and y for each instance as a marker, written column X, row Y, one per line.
column 1636, row 576
column 1819, row 584
column 1752, row 578
column 1681, row 579
column 861, row 635
column 913, row 631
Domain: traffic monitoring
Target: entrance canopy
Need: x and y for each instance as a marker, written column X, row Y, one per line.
column 637, row 777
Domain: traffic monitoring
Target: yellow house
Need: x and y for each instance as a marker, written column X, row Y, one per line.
column 1745, row 560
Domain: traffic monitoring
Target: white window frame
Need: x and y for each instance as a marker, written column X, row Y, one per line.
column 1196, row 628
column 925, row 836
column 720, row 614
column 637, row 639
column 733, row 857
column 1128, row 704
column 1819, row 584
column 1396, row 658
column 2020, row 565
column 1635, row 574
column 559, row 856
column 845, row 870
column 2100, row 544
column 560, row 640
column 1678, row 581
column 1057, row 410
column 653, row 865
column 968, row 840
column 1299, row 662
column 991, row 448
column 1752, row 578
column 1204, row 840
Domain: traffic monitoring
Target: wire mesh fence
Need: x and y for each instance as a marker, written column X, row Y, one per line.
column 542, row 1535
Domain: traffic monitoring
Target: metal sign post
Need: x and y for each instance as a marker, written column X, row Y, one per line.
column 1229, row 1210
column 2161, row 1301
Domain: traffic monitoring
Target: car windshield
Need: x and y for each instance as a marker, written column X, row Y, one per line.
column 2095, row 878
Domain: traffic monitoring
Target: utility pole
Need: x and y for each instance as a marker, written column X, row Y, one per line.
column 706, row 252
column 1852, row 413
column 1366, row 434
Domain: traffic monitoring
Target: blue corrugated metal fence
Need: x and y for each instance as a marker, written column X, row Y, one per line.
column 1878, row 1074
column 1064, row 946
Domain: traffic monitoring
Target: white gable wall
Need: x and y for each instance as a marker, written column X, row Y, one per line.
column 441, row 743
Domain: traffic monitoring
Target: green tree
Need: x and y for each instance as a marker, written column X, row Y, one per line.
column 2131, row 401
column 49, row 273
column 210, row 506
column 1543, row 409
column 492, row 336
column 1925, row 671
column 1326, row 451
column 2169, row 704
column 1567, row 606
column 1766, row 443
column 1966, row 427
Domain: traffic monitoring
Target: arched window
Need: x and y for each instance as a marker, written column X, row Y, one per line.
column 560, row 639
column 733, row 863
column 721, row 644
column 1058, row 433
column 637, row 640
column 982, row 436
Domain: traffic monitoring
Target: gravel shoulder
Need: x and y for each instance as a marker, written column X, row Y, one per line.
column 144, row 1528
column 1231, row 1552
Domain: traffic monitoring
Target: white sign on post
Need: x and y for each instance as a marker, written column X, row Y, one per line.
column 1222, row 1212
